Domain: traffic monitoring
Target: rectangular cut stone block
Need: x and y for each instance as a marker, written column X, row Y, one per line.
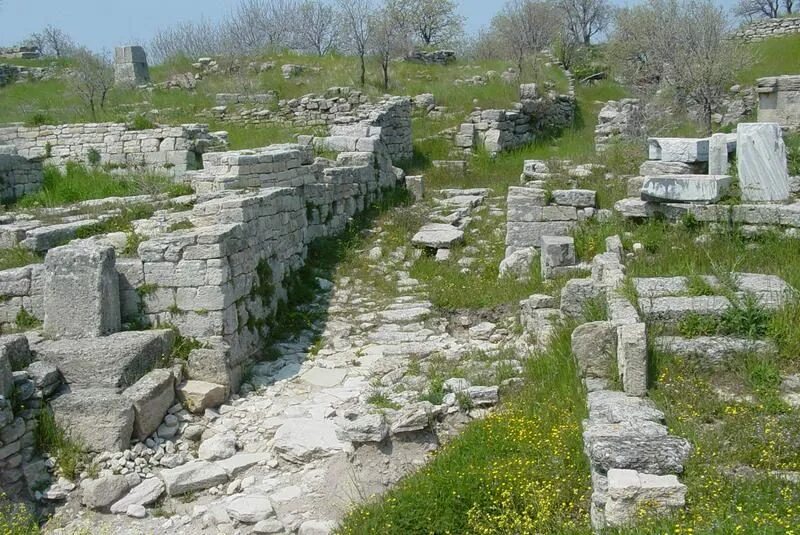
column 630, row 492
column 632, row 358
column 557, row 252
column 685, row 188
column 81, row 291
column 677, row 149
column 761, row 159
column 98, row 418
column 720, row 146
column 152, row 396
column 674, row 309
column 657, row 167
column 520, row 235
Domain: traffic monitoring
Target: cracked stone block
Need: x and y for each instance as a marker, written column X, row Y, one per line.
column 81, row 291
column 686, row 188
column 579, row 198
column 761, row 160
column 674, row 309
column 630, row 492
column 593, row 345
column 654, row 455
column 632, row 358
column 438, row 236
column 576, row 293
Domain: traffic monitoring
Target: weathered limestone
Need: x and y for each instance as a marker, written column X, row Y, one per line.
column 632, row 358
column 18, row 175
column 629, row 492
column 674, row 309
column 198, row 396
column 761, row 29
column 100, row 493
column 761, row 160
column 558, row 252
column 81, row 297
column 619, row 121
column 719, row 148
column 192, row 477
column 779, row 101
column 99, row 418
column 593, row 345
column 438, row 236
column 674, row 149
column 130, row 66
column 152, row 396
column 685, row 188
column 416, row 186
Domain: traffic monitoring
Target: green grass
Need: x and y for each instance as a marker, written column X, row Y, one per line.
column 773, row 57
column 50, row 438
column 521, row 470
column 79, row 182
column 15, row 257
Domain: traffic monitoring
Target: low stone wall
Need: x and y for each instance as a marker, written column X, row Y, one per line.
column 169, row 150
column 769, row 28
column 18, row 175
column 502, row 130
column 11, row 73
column 621, row 120
column 20, row 52
column 309, row 110
column 436, row 57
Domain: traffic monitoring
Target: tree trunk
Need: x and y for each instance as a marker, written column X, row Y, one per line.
column 363, row 72
column 707, row 112
column 385, row 66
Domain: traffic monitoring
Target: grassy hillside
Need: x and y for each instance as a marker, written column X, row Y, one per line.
column 773, row 57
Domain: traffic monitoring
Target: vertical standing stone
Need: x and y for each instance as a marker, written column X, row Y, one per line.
column 763, row 174
column 416, row 186
column 81, row 291
column 130, row 66
column 632, row 358
column 718, row 155
column 557, row 252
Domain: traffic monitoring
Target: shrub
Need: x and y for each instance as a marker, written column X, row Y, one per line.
column 141, row 122
column 93, row 157
column 40, row 119
column 16, row 519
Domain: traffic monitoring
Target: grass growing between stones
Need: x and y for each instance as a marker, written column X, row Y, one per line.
column 81, row 183
column 50, row 438
column 521, row 470
column 18, row 257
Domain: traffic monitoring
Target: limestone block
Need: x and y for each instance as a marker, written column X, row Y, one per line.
column 575, row 294
column 529, row 234
column 674, row 309
column 81, row 297
column 720, row 146
column 629, row 492
column 682, row 150
column 653, row 455
column 557, row 252
column 580, row 198
column 438, row 236
column 197, row 396
column 147, row 492
column 100, row 493
column 761, row 160
column 152, row 396
column 15, row 347
column 518, row 264
column 192, row 477
column 415, row 185
column 594, row 347
column 632, row 358
column 685, row 188
column 99, row 418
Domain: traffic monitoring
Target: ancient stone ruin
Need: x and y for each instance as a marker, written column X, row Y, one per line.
column 779, row 101
column 130, row 66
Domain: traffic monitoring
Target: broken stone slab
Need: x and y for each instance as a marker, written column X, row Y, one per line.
column 615, row 407
column 197, row 396
column 303, row 440
column 482, row 396
column 761, row 160
column 44, row 238
column 438, row 236
column 115, row 361
column 579, row 198
column 250, row 509
column 719, row 148
column 629, row 492
column 145, row 493
column 192, row 477
column 594, row 430
column 45, row 376
column 100, row 493
column 770, row 291
column 675, row 149
column 593, row 346
column 100, row 419
column 16, row 347
column 657, row 167
column 518, row 264
column 652, row 455
column 632, row 358
column 712, row 349
column 620, row 311
column 686, row 188
column 368, row 428
column 413, row 418
column 240, row 462
column 557, row 252
column 81, row 291
column 674, row 309
column 152, row 396
column 218, row 447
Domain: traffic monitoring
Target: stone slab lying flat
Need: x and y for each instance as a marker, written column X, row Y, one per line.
column 438, row 236
column 674, row 309
column 192, row 477
column 770, row 291
column 686, row 188
column 712, row 349
column 657, row 167
column 115, row 361
column 677, row 149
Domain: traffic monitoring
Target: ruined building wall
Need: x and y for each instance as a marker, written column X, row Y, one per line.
column 171, row 150
column 768, row 28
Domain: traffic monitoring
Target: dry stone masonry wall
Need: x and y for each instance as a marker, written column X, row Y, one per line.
column 619, row 121
column 769, row 28
column 169, row 150
column 18, row 175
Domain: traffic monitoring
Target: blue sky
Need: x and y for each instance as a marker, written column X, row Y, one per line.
column 103, row 24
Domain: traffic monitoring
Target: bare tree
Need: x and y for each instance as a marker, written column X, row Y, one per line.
column 388, row 40
column 586, row 18
column 188, row 39
column 524, row 27
column 760, row 8
column 357, row 17
column 681, row 45
column 91, row 79
column 51, row 41
column 316, row 27
column 432, row 22
column 262, row 24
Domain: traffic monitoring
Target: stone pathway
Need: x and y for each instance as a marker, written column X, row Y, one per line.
column 323, row 426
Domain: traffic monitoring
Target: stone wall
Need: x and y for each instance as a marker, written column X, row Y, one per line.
column 18, row 175
column 12, row 73
column 768, row 28
column 167, row 150
column 436, row 57
column 20, row 52
column 501, row 130
column 779, row 101
column 621, row 120
column 309, row 110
